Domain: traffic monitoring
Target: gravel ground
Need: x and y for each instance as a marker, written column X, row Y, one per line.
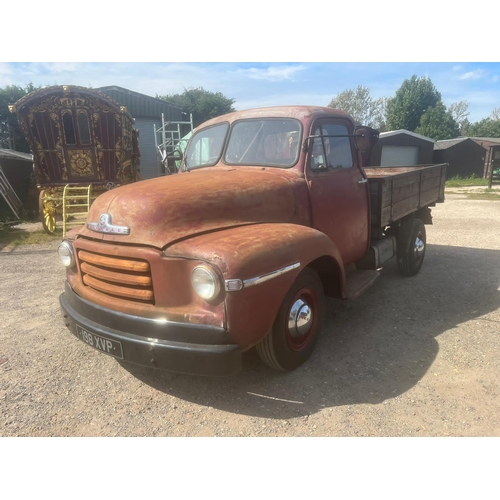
column 412, row 357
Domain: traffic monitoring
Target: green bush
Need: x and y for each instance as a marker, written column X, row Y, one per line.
column 472, row 180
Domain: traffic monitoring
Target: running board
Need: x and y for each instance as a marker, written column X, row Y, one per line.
column 358, row 282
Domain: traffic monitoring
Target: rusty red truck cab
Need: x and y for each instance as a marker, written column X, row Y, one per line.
column 269, row 213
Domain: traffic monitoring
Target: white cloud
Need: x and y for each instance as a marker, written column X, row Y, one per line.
column 60, row 67
column 255, row 84
column 5, row 69
column 272, row 73
column 6, row 74
column 473, row 75
column 284, row 99
column 481, row 102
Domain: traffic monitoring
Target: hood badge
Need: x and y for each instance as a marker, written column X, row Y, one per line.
column 104, row 226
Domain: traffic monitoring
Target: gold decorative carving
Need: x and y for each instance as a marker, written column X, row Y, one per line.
column 72, row 102
column 41, row 174
column 78, row 163
column 42, row 106
column 38, row 146
column 126, row 134
column 81, row 163
column 100, row 154
column 62, row 160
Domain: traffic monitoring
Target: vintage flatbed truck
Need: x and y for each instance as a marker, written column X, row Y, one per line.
column 271, row 211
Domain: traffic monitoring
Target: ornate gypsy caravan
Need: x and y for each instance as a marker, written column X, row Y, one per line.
column 83, row 143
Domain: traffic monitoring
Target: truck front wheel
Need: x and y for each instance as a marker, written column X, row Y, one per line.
column 297, row 326
column 411, row 248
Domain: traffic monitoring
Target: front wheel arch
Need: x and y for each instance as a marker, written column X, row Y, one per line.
column 297, row 326
column 328, row 270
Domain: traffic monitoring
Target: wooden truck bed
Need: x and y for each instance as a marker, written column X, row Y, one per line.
column 399, row 191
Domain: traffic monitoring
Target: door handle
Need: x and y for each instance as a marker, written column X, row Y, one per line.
column 363, row 181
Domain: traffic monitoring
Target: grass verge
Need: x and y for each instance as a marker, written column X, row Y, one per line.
column 483, row 194
column 486, row 194
column 466, row 181
column 15, row 236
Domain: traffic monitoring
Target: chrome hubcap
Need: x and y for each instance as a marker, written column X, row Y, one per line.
column 300, row 319
column 419, row 248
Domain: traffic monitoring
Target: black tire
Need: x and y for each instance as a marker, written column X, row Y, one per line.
column 286, row 347
column 411, row 247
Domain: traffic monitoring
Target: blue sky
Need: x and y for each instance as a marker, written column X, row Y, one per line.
column 334, row 47
column 254, row 84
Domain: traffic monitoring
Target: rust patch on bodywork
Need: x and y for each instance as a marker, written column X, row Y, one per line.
column 251, row 251
column 161, row 211
column 174, row 297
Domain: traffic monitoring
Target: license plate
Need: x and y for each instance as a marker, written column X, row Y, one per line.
column 108, row 346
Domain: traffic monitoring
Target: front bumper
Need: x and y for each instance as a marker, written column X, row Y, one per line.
column 151, row 343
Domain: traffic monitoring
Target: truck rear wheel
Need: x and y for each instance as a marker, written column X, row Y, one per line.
column 297, row 326
column 411, row 248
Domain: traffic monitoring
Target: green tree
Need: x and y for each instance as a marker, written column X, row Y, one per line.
column 361, row 106
column 414, row 97
column 11, row 136
column 202, row 103
column 495, row 114
column 460, row 112
column 438, row 123
column 487, row 127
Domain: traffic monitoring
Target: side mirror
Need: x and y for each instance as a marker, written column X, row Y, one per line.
column 365, row 138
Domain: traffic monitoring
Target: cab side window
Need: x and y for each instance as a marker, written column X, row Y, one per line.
column 331, row 152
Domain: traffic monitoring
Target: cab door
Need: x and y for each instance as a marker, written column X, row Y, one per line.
column 338, row 188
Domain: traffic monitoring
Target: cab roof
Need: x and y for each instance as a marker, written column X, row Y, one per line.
column 301, row 113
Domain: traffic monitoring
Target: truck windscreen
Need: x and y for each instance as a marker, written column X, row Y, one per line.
column 270, row 142
column 273, row 142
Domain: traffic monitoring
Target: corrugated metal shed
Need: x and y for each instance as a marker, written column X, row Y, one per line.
column 10, row 154
column 146, row 111
column 143, row 106
column 150, row 165
column 17, row 168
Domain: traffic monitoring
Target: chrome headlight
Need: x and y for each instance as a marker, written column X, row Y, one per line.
column 205, row 282
column 66, row 255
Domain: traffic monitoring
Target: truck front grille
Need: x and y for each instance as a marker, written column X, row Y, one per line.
column 124, row 278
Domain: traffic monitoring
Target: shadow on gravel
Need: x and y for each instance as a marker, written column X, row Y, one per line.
column 373, row 349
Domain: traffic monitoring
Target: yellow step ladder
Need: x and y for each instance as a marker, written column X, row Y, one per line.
column 76, row 205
